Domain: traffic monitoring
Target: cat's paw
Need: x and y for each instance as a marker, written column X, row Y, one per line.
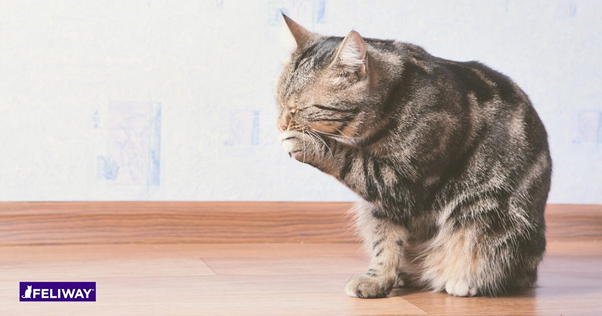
column 402, row 280
column 460, row 288
column 297, row 145
column 364, row 286
column 400, row 283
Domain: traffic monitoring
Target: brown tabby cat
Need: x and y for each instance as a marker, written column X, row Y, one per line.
column 450, row 158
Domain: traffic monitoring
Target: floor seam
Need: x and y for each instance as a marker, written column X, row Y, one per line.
column 208, row 266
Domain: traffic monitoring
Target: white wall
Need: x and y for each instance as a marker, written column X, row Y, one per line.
column 173, row 100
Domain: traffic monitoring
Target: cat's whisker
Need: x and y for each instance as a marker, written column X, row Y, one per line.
column 320, row 139
column 341, row 132
column 312, row 138
column 335, row 135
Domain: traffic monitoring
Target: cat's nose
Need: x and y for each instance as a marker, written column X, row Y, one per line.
column 284, row 121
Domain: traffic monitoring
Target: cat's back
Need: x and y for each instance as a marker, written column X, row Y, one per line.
column 480, row 96
column 478, row 115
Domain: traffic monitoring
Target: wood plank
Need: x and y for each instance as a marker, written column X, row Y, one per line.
column 172, row 222
column 82, row 263
column 288, row 266
column 574, row 222
column 570, row 282
column 278, row 289
column 48, row 223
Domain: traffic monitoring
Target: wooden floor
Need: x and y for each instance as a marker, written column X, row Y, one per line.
column 271, row 279
column 254, row 258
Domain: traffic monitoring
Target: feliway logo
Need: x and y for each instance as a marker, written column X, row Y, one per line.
column 57, row 292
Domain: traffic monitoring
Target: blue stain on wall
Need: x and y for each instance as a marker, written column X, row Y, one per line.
column 255, row 130
column 95, row 120
column 565, row 9
column 107, row 168
column 218, row 4
column 155, row 148
column 319, row 10
column 308, row 12
column 243, row 130
column 589, row 128
column 133, row 155
column 274, row 9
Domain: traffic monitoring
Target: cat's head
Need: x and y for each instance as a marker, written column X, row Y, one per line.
column 29, row 287
column 326, row 85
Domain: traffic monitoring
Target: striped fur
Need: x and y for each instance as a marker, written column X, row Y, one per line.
column 450, row 159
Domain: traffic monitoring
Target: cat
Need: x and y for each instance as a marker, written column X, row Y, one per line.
column 450, row 160
column 27, row 292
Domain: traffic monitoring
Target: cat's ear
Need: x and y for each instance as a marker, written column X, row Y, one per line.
column 301, row 35
column 351, row 54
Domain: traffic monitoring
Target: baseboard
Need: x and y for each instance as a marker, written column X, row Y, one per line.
column 220, row 222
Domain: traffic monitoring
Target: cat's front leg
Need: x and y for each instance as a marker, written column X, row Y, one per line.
column 305, row 148
column 385, row 241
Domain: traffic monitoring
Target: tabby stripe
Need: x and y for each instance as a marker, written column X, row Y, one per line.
column 347, row 160
column 305, row 55
column 377, row 174
column 371, row 191
column 376, row 243
column 402, row 89
column 379, row 134
column 327, row 108
column 379, row 252
column 391, row 100
column 462, row 163
column 342, row 127
column 345, row 119
column 333, row 146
